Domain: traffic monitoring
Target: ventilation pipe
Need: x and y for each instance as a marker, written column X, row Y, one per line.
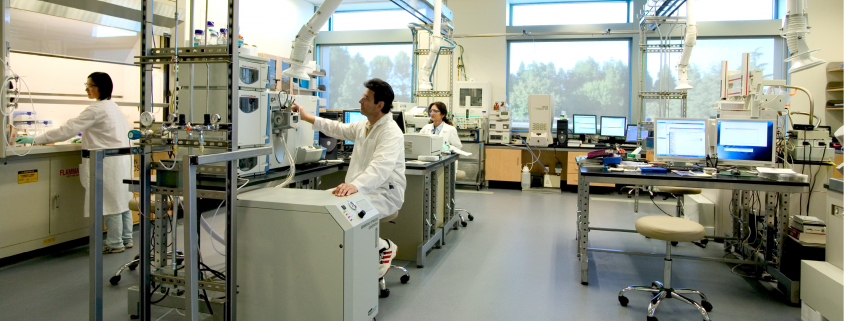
column 302, row 43
column 689, row 42
column 427, row 71
column 795, row 31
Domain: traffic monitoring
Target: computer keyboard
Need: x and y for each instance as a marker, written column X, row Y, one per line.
column 683, row 168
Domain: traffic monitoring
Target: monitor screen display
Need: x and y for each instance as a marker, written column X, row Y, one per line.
column 613, row 126
column 584, row 124
column 681, row 138
column 631, row 134
column 352, row 116
column 746, row 140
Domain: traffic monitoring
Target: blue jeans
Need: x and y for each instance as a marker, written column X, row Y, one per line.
column 119, row 229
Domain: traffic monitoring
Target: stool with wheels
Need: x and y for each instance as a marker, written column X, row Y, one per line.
column 669, row 229
column 678, row 193
column 383, row 290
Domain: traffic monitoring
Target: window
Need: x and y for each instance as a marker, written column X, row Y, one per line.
column 348, row 67
column 705, row 71
column 569, row 13
column 583, row 77
column 369, row 20
column 732, row 10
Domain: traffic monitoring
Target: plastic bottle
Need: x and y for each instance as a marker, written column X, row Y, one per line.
column 224, row 37
column 526, row 178
column 212, row 35
column 198, row 38
column 240, row 40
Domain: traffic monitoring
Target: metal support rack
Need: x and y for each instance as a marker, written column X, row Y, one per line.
column 651, row 18
column 421, row 53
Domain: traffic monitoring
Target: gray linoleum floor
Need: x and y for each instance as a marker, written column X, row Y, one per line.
column 516, row 261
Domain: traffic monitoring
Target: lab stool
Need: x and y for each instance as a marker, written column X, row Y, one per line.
column 669, row 229
column 678, row 193
column 383, row 290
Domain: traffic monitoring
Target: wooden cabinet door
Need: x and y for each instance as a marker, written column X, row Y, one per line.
column 503, row 165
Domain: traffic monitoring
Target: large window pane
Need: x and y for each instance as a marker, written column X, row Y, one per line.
column 705, row 71
column 348, row 67
column 583, row 77
column 371, row 20
column 732, row 10
column 570, row 13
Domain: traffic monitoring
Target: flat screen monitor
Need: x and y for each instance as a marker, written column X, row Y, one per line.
column 399, row 118
column 613, row 126
column 352, row 116
column 584, row 124
column 631, row 134
column 680, row 139
column 745, row 142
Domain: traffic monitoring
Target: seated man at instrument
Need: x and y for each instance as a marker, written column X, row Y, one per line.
column 377, row 168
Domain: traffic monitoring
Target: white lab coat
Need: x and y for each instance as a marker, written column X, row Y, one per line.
column 377, row 168
column 448, row 132
column 102, row 125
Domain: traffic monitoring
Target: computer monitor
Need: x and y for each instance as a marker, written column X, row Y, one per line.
column 631, row 134
column 745, row 142
column 352, row 116
column 584, row 124
column 613, row 126
column 680, row 140
column 399, row 118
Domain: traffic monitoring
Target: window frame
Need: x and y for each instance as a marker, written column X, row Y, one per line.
column 630, row 62
column 779, row 67
column 330, row 23
column 628, row 12
column 324, row 80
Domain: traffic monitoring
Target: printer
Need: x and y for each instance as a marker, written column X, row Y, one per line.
column 422, row 145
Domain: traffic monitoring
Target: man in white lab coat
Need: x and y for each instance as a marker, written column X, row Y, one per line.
column 377, row 168
column 102, row 125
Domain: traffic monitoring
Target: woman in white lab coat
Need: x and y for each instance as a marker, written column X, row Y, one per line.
column 102, row 125
column 441, row 125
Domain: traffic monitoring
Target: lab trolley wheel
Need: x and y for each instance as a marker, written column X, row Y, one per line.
column 114, row 280
column 707, row 306
column 469, row 216
column 404, row 279
column 647, row 318
column 623, row 301
column 384, row 293
column 135, row 263
column 464, row 223
column 674, row 243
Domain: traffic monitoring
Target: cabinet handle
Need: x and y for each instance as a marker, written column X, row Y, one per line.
column 56, row 201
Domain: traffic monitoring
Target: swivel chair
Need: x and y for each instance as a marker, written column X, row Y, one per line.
column 678, row 193
column 383, row 290
column 669, row 229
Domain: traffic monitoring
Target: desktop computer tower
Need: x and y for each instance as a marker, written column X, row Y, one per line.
column 562, row 131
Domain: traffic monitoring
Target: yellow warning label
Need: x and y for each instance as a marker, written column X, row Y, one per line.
column 49, row 240
column 28, row 176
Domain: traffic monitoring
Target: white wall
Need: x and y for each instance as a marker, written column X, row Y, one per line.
column 485, row 59
column 270, row 25
column 825, row 19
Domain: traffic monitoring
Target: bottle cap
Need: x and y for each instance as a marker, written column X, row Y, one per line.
column 210, row 24
column 198, row 32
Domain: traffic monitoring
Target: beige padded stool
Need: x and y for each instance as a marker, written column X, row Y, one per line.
column 678, row 193
column 383, row 290
column 669, row 229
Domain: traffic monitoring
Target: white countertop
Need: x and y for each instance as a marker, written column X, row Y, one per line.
column 41, row 149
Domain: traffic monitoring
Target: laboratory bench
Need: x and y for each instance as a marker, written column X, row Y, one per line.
column 776, row 211
column 505, row 162
column 45, row 200
column 428, row 213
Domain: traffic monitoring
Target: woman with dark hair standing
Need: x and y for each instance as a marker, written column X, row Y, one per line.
column 102, row 125
column 441, row 125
